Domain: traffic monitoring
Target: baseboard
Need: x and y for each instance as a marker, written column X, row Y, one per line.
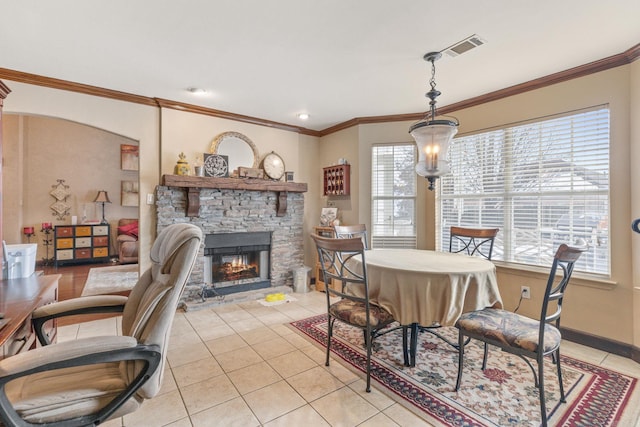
column 604, row 344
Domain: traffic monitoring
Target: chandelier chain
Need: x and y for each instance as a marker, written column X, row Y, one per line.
column 432, row 82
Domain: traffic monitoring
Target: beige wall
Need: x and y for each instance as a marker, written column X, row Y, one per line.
column 38, row 151
column 602, row 308
column 341, row 144
column 594, row 307
column 134, row 121
column 181, row 132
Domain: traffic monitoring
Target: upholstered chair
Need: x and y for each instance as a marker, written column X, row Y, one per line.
column 87, row 381
column 334, row 256
column 127, row 240
column 530, row 339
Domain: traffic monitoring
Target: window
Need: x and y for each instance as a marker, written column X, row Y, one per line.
column 393, row 196
column 543, row 183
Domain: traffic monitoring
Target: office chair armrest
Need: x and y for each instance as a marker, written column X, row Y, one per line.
column 70, row 307
column 88, row 351
column 61, row 352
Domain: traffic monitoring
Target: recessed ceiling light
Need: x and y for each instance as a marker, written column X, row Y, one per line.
column 303, row 116
column 197, row 91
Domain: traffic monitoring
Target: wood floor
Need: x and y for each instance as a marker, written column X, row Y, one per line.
column 70, row 285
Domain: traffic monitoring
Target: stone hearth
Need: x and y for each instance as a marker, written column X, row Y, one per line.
column 232, row 211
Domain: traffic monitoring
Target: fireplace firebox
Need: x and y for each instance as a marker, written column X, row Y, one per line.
column 236, row 262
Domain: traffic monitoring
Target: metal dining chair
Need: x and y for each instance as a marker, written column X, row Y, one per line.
column 469, row 241
column 472, row 241
column 334, row 256
column 521, row 335
column 348, row 231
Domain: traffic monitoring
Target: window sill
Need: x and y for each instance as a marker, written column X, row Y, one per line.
column 579, row 279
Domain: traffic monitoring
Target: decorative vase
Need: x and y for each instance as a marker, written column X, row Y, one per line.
column 182, row 167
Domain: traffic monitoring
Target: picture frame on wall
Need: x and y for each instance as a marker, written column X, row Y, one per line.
column 129, row 157
column 328, row 216
column 129, row 195
column 216, row 166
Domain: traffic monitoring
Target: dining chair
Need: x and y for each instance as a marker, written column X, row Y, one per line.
column 89, row 380
column 348, row 231
column 335, row 256
column 472, row 241
column 521, row 335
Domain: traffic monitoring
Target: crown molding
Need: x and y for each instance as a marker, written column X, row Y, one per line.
column 191, row 108
column 34, row 79
column 22, row 77
column 623, row 58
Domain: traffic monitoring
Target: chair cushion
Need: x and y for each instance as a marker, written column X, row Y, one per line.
column 54, row 395
column 510, row 329
column 355, row 313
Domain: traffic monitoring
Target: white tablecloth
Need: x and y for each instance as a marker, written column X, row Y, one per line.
column 424, row 287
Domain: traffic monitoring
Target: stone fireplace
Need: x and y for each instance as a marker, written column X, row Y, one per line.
column 253, row 235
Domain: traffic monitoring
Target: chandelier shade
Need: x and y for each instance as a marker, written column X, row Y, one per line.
column 433, row 136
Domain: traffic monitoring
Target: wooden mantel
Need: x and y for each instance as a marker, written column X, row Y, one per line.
column 193, row 184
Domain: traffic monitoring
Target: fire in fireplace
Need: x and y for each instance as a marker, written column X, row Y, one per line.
column 236, row 262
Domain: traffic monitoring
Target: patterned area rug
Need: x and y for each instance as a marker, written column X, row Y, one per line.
column 110, row 280
column 503, row 395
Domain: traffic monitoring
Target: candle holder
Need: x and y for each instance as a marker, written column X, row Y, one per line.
column 47, row 239
column 29, row 232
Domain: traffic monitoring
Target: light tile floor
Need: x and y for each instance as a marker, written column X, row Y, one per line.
column 240, row 365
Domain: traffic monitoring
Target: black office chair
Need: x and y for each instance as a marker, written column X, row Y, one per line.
column 521, row 335
column 472, row 241
column 334, row 256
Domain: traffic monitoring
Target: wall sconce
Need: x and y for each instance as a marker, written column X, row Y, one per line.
column 433, row 136
column 103, row 198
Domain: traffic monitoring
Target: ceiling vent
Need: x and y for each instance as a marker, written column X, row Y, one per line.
column 465, row 45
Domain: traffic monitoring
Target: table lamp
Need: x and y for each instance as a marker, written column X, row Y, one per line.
column 103, row 198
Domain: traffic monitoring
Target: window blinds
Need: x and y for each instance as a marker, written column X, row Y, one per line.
column 393, row 196
column 542, row 182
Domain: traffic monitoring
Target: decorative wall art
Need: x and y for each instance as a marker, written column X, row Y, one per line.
column 60, row 192
column 129, row 195
column 129, row 157
column 328, row 216
column 216, row 165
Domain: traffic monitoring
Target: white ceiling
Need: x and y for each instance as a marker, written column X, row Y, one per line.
column 335, row 59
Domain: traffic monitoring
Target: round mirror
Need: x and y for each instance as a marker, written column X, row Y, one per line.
column 239, row 149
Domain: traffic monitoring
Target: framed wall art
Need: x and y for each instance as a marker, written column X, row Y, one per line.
column 129, row 195
column 216, row 166
column 129, row 157
column 327, row 216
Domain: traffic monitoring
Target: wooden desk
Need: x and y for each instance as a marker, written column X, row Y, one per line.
column 18, row 299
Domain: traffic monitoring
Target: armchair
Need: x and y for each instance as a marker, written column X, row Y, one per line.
column 127, row 240
column 87, row 381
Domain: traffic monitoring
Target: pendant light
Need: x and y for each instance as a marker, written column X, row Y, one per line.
column 433, row 135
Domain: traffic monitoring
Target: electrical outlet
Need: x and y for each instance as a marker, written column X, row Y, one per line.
column 525, row 291
column 331, row 204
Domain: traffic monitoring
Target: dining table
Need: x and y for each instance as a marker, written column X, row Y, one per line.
column 426, row 287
